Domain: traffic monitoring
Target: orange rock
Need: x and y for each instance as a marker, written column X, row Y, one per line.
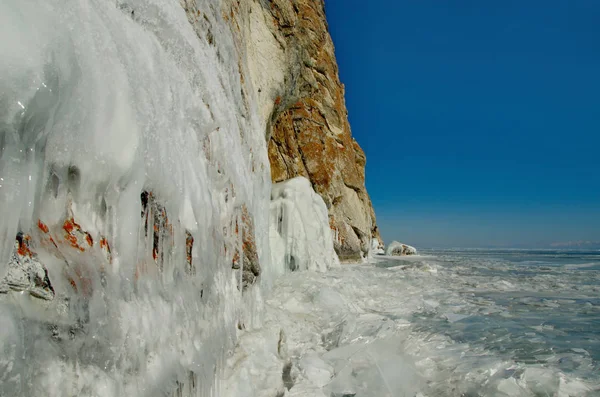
column 312, row 136
column 42, row 226
column 251, row 265
column 189, row 245
column 24, row 241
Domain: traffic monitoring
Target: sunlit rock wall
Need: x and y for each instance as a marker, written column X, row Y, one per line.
column 292, row 65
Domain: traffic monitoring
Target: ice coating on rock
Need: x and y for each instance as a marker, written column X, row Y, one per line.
column 376, row 247
column 102, row 103
column 396, row 248
column 299, row 230
column 134, row 174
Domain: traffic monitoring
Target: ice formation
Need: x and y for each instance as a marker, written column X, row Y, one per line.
column 299, row 231
column 396, row 248
column 376, row 247
column 129, row 150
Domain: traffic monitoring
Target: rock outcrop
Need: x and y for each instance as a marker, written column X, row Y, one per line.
column 294, row 72
column 26, row 273
column 250, row 262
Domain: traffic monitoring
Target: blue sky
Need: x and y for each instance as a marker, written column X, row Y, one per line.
column 480, row 119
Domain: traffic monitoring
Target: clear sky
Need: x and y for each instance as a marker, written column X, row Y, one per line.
column 480, row 119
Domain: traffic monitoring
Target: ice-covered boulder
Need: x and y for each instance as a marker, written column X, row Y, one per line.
column 26, row 273
column 398, row 249
column 299, row 232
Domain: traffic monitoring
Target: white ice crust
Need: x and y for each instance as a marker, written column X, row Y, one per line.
column 299, row 230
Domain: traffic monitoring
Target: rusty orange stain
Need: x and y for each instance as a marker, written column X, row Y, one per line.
column 22, row 250
column 189, row 244
column 23, row 246
column 73, row 284
column 104, row 245
column 42, row 226
column 69, row 225
column 89, row 239
column 71, row 239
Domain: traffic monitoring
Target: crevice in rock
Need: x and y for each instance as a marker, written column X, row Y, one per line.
column 355, row 188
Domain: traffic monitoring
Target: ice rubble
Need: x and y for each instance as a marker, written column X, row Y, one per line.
column 357, row 330
column 100, row 103
column 299, row 230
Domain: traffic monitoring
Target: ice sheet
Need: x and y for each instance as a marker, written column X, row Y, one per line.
column 400, row 329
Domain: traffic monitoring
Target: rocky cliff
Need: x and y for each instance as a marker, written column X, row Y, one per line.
column 294, row 73
column 137, row 207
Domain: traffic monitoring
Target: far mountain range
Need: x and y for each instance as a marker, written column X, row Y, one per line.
column 577, row 244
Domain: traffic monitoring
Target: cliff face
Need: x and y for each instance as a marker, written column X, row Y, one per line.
column 294, row 72
column 135, row 188
column 134, row 197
